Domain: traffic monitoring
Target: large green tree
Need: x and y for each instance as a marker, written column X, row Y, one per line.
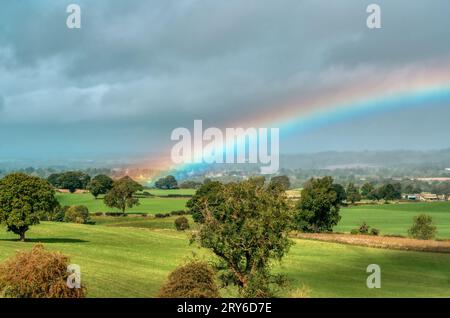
column 353, row 194
column 23, row 199
column 100, row 184
column 121, row 194
column 207, row 194
column 71, row 180
column 168, row 182
column 280, row 181
column 318, row 207
column 340, row 192
column 246, row 225
column 390, row 192
column 366, row 189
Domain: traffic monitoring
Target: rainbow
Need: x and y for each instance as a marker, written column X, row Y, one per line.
column 400, row 89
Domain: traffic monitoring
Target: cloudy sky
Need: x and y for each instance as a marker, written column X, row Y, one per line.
column 138, row 69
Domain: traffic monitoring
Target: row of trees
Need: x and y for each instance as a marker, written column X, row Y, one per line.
column 352, row 193
column 25, row 200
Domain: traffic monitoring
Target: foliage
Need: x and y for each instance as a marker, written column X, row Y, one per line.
column 37, row 274
column 246, row 225
column 207, row 194
column 168, row 182
column 190, row 185
column 121, row 194
column 195, row 279
column 340, row 192
column 100, row 184
column 390, row 192
column 23, row 199
column 353, row 193
column 181, row 223
column 77, row 214
column 364, row 228
column 422, row 228
column 318, row 207
column 280, row 181
column 70, row 180
column 366, row 189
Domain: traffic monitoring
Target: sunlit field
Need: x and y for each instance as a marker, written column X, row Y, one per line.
column 133, row 262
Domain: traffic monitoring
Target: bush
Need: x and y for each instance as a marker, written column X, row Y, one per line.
column 354, row 231
column 115, row 214
column 422, row 228
column 181, row 223
column 363, row 228
column 37, row 274
column 57, row 215
column 178, row 212
column 374, row 231
column 162, row 215
column 196, row 279
column 77, row 214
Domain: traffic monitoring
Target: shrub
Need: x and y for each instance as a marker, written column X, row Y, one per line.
column 363, row 228
column 77, row 214
column 37, row 274
column 374, row 231
column 181, row 223
column 178, row 212
column 56, row 215
column 422, row 228
column 195, row 279
column 162, row 215
column 354, row 231
column 115, row 214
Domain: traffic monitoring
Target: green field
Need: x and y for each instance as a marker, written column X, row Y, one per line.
column 149, row 205
column 388, row 218
column 134, row 262
column 396, row 218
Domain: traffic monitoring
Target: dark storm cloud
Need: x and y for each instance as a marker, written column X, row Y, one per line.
column 151, row 66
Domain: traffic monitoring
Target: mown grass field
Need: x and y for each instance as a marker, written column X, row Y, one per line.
column 396, row 218
column 150, row 205
column 388, row 218
column 133, row 262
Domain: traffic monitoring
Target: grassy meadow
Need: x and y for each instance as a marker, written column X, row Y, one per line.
column 131, row 256
column 132, row 261
column 396, row 218
column 150, row 205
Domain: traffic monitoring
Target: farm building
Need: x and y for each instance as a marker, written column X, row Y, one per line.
column 431, row 197
column 412, row 197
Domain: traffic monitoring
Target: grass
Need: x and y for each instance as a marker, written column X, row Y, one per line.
column 133, row 262
column 396, row 218
column 151, row 205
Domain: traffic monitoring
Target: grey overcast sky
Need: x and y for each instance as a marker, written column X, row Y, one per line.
column 138, row 69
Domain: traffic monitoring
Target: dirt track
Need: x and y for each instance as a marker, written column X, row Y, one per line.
column 398, row 243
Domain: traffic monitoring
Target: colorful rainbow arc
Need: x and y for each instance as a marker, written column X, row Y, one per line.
column 394, row 92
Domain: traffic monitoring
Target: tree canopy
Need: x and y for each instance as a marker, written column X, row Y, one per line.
column 168, row 182
column 318, row 207
column 100, row 184
column 23, row 199
column 71, row 180
column 246, row 225
column 121, row 194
